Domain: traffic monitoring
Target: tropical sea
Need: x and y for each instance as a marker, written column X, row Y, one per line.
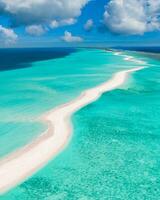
column 114, row 150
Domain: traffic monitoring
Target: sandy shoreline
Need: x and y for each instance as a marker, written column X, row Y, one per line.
column 21, row 164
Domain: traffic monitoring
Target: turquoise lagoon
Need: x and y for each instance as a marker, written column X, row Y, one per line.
column 114, row 151
column 26, row 94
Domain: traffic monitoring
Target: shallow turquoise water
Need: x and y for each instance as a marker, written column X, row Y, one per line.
column 114, row 152
column 25, row 94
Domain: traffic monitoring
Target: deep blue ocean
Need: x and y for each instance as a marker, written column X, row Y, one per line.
column 149, row 49
column 23, row 57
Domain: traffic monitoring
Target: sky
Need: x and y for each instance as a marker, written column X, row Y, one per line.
column 97, row 23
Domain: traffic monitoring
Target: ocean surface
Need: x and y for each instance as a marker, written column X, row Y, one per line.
column 114, row 151
column 148, row 51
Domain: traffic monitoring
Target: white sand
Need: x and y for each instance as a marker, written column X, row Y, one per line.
column 132, row 59
column 21, row 164
column 117, row 53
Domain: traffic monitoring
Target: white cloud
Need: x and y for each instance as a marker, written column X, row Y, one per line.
column 64, row 22
column 29, row 12
column 132, row 16
column 68, row 37
column 35, row 30
column 54, row 24
column 88, row 25
column 69, row 21
column 8, row 35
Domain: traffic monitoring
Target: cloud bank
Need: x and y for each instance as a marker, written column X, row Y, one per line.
column 31, row 12
column 132, row 16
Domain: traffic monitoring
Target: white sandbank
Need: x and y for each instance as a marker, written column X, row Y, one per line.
column 117, row 53
column 22, row 163
column 130, row 58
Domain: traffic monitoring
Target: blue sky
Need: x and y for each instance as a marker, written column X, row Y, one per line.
column 38, row 23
